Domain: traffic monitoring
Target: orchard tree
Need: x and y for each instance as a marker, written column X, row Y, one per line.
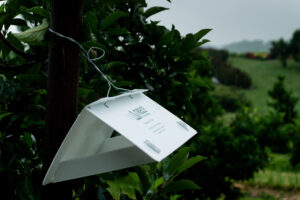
column 295, row 45
column 280, row 50
column 283, row 101
column 41, row 78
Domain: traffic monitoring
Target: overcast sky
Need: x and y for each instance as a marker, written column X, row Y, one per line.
column 232, row 20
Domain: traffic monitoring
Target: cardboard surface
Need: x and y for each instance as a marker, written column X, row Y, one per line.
column 148, row 132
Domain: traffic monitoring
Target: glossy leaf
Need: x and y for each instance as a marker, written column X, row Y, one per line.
column 188, row 43
column 145, row 178
column 154, row 10
column 204, row 41
column 111, row 19
column 91, row 19
column 116, row 64
column 35, row 35
column 39, row 11
column 189, row 163
column 27, row 139
column 118, row 31
column 13, row 40
column 180, row 185
column 167, row 38
column 124, row 185
column 176, row 161
column 200, row 34
column 4, row 114
column 175, row 197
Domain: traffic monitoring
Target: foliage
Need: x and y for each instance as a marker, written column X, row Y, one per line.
column 295, row 158
column 225, row 72
column 20, row 138
column 278, row 174
column 283, row 101
column 274, row 133
column 140, row 53
column 232, row 76
column 155, row 181
column 233, row 153
column 280, row 50
column 230, row 98
column 295, row 45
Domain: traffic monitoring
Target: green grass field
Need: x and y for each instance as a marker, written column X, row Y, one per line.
column 279, row 174
column 264, row 74
column 277, row 181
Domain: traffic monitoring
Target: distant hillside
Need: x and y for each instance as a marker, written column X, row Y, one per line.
column 248, row 46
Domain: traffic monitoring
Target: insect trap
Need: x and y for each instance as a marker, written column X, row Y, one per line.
column 148, row 133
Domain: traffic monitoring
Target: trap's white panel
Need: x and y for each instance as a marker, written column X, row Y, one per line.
column 148, row 131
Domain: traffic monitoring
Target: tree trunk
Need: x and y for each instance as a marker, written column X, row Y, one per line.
column 62, row 86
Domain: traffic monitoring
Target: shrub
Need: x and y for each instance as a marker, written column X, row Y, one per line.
column 295, row 45
column 295, row 158
column 280, row 50
column 274, row 133
column 230, row 98
column 282, row 100
column 233, row 153
column 232, row 76
column 225, row 73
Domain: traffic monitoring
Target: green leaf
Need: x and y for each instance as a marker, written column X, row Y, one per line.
column 124, row 185
column 116, row 64
column 3, row 77
column 158, row 182
column 175, row 197
column 145, row 179
column 4, row 114
column 83, row 93
column 189, row 163
column 111, row 19
column 175, row 163
column 167, row 38
column 118, row 31
column 35, row 35
column 27, row 139
column 124, row 83
column 91, row 20
column 14, row 41
column 200, row 34
column 154, row 10
column 180, row 185
column 2, row 7
column 39, row 11
column 198, row 82
column 188, row 43
column 202, row 42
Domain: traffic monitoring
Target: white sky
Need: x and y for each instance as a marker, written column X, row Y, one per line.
column 232, row 20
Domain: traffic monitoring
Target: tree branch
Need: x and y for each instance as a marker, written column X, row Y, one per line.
column 16, row 50
column 17, row 68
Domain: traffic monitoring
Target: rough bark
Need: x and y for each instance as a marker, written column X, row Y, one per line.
column 62, row 86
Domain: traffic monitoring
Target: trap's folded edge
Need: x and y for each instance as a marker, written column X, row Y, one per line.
column 88, row 148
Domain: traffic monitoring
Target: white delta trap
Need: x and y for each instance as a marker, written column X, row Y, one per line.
column 148, row 133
